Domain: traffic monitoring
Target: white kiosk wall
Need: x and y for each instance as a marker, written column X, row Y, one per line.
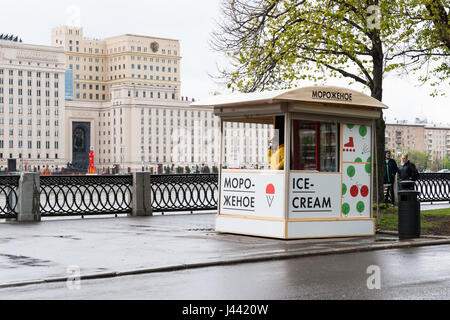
column 254, row 199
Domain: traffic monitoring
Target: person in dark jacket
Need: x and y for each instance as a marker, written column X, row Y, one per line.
column 390, row 170
column 407, row 170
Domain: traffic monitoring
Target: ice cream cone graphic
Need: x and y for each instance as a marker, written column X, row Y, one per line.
column 270, row 194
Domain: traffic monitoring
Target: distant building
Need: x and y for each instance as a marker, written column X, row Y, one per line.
column 97, row 65
column 401, row 136
column 126, row 103
column 31, row 104
column 437, row 141
column 120, row 95
column 424, row 137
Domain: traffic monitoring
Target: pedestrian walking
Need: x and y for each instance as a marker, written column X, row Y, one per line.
column 390, row 170
column 407, row 170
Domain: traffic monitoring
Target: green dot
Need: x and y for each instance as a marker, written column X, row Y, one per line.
column 368, row 168
column 363, row 131
column 358, row 160
column 345, row 208
column 350, row 126
column 360, row 206
column 344, row 189
column 351, row 171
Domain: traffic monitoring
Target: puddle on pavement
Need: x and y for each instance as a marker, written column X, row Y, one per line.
column 204, row 229
column 26, row 261
column 386, row 240
column 4, row 240
column 67, row 237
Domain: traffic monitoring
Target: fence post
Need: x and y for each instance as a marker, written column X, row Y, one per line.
column 28, row 202
column 141, row 205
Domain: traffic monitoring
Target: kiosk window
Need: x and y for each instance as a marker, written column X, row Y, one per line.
column 314, row 146
column 254, row 143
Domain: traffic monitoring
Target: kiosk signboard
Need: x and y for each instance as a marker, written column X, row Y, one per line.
column 258, row 194
column 314, row 195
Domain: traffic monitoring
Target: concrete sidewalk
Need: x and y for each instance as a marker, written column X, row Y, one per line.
column 108, row 247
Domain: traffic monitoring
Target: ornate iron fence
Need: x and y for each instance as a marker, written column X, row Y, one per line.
column 184, row 192
column 433, row 187
column 71, row 195
column 8, row 196
column 85, row 195
column 97, row 195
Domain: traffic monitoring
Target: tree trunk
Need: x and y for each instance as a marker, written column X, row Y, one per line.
column 380, row 126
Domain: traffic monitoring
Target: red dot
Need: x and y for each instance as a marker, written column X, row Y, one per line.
column 364, row 191
column 270, row 189
column 354, row 191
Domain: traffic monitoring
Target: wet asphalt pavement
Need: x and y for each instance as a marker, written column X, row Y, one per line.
column 118, row 246
column 410, row 273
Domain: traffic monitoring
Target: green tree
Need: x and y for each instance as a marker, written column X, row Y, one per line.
column 278, row 43
column 179, row 169
column 436, row 165
column 420, row 159
column 446, row 162
column 428, row 21
column 205, row 169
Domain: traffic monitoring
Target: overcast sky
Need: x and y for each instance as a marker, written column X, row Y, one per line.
column 191, row 22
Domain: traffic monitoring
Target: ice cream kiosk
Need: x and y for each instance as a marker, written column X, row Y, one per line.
column 317, row 176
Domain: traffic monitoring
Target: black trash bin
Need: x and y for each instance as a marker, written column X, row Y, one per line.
column 406, row 185
column 408, row 211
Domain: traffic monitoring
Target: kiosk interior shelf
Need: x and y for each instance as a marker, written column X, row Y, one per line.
column 328, row 146
column 315, row 146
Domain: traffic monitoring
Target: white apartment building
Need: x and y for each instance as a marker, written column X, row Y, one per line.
column 31, row 105
column 99, row 64
column 137, row 130
column 437, row 141
column 120, row 96
column 126, row 104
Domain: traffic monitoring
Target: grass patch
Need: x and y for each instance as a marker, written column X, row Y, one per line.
column 437, row 212
column 435, row 222
column 387, row 222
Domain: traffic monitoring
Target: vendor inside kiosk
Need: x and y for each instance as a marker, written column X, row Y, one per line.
column 275, row 155
column 297, row 163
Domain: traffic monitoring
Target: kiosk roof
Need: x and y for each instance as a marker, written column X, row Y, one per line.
column 328, row 95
